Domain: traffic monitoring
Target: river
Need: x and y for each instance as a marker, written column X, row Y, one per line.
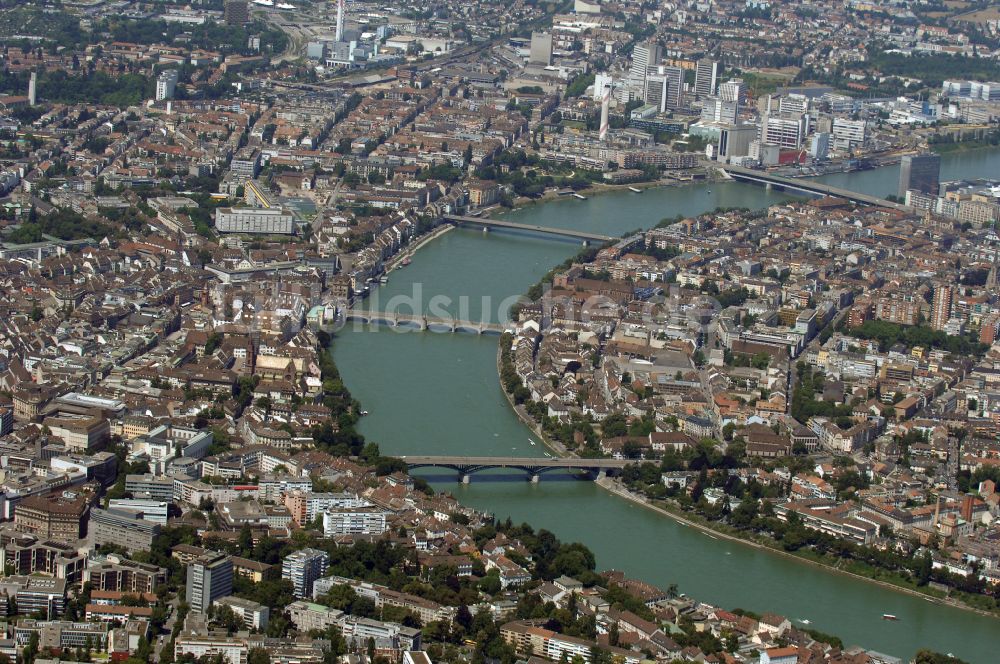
column 434, row 393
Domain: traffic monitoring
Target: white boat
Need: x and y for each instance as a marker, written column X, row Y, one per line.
column 284, row 5
column 581, row 197
column 531, row 441
column 889, row 616
column 264, row 3
column 635, row 190
column 364, row 412
column 804, row 621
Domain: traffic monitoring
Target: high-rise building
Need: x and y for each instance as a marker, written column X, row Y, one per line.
column 236, row 12
column 673, row 90
column 541, row 48
column 33, row 89
column 209, row 577
column 706, row 75
column 166, row 83
column 716, row 109
column 921, row 172
column 644, row 56
column 784, row 130
column 734, row 90
column 302, row 568
column 941, row 307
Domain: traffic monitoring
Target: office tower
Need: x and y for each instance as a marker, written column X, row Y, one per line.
column 541, row 48
column 32, row 89
column 706, row 74
column 941, row 307
column 166, row 84
column 675, row 86
column 302, row 568
column 784, row 130
column 644, row 56
column 339, row 35
column 656, row 91
column 235, row 12
column 849, row 134
column 819, row 146
column 921, row 172
column 209, row 577
column 734, row 90
column 793, row 103
column 716, row 109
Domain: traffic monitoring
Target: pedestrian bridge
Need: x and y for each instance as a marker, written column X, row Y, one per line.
column 533, row 466
column 420, row 322
column 808, row 186
column 486, row 223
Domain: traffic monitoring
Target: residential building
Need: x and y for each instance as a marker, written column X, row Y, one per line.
column 209, row 577
column 302, row 568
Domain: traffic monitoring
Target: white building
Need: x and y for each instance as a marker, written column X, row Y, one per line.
column 265, row 221
column 354, row 521
column 166, row 83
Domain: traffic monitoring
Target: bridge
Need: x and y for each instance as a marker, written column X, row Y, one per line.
column 533, row 466
column 419, row 322
column 486, row 223
column 808, row 186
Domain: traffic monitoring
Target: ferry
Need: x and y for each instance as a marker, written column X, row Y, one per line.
column 635, row 190
column 889, row 616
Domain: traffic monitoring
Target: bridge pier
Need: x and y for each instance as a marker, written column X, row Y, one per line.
column 464, row 478
column 534, row 478
column 601, row 474
column 768, row 186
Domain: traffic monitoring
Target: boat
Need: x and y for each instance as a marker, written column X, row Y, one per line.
column 708, row 191
column 889, row 616
column 580, row 196
column 364, row 412
column 406, row 261
column 531, row 441
column 635, row 190
column 383, row 279
column 804, row 621
column 264, row 3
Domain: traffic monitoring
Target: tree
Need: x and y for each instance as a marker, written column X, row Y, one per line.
column 258, row 656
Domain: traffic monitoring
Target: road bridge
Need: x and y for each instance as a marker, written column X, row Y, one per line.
column 420, row 322
column 808, row 186
column 487, row 223
column 533, row 466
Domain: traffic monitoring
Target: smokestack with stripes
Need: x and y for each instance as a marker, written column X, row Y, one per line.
column 340, row 21
column 605, row 109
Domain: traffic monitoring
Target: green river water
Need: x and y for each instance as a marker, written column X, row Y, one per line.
column 438, row 393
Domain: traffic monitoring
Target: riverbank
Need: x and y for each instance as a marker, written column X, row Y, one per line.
column 615, row 487
column 959, row 147
column 412, row 249
column 526, row 419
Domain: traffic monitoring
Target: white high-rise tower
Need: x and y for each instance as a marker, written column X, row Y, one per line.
column 340, row 20
column 33, row 89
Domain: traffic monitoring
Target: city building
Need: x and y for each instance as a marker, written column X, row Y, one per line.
column 61, row 516
column 124, row 528
column 541, row 48
column 302, row 568
column 236, row 12
column 354, row 521
column 706, row 75
column 209, row 577
column 253, row 614
column 920, row 172
column 941, row 307
column 166, row 83
column 255, row 221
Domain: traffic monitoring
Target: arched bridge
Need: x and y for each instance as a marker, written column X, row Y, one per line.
column 808, row 186
column 487, row 223
column 533, row 466
column 420, row 322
